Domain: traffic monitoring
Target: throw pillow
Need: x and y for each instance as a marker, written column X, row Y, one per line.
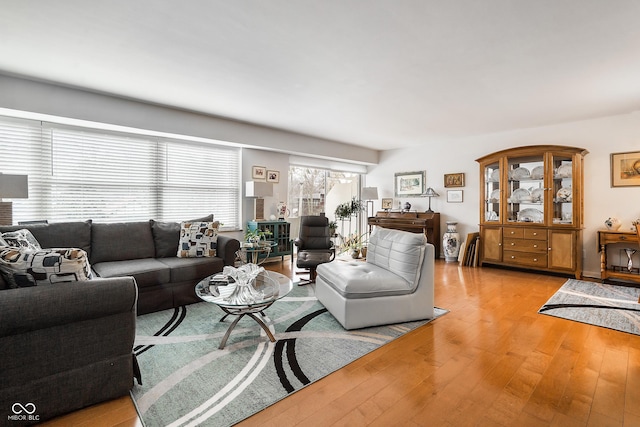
column 198, row 239
column 2, row 242
column 21, row 239
column 24, row 267
column 166, row 235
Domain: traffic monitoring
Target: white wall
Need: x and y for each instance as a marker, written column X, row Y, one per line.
column 600, row 137
column 272, row 161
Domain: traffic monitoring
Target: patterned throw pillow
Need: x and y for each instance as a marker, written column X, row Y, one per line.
column 198, row 239
column 22, row 239
column 22, row 267
column 2, row 242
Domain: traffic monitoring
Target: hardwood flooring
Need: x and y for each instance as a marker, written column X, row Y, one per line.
column 491, row 361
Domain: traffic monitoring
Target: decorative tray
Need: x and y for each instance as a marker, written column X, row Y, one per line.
column 537, row 195
column 537, row 172
column 521, row 195
column 530, row 215
column 519, row 174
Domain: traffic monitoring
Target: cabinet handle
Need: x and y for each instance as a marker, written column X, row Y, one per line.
column 535, row 234
column 499, row 244
column 535, row 246
column 513, row 244
column 535, row 260
column 513, row 257
column 513, row 232
column 548, row 249
column 623, row 237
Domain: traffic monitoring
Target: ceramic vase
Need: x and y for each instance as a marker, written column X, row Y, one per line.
column 451, row 242
column 612, row 223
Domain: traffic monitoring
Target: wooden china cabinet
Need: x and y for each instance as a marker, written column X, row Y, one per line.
column 531, row 208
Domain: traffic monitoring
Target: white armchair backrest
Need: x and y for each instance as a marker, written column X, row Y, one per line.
column 400, row 252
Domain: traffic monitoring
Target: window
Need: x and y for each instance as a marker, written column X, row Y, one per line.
column 78, row 174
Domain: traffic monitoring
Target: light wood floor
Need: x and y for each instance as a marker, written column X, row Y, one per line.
column 491, row 361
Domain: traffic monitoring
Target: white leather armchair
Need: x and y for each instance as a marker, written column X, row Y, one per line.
column 394, row 285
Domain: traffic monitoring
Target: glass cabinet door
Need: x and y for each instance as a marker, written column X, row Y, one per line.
column 492, row 192
column 562, row 189
column 525, row 190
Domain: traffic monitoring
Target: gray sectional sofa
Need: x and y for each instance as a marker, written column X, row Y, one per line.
column 64, row 347
column 145, row 250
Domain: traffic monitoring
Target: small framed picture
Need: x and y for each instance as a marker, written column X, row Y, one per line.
column 258, row 172
column 273, row 176
column 625, row 169
column 454, row 196
column 454, row 179
column 387, row 204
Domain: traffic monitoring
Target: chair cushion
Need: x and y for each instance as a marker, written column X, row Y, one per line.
column 183, row 269
column 357, row 279
column 147, row 272
column 400, row 252
column 308, row 259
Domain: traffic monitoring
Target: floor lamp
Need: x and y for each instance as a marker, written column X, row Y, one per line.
column 11, row 187
column 256, row 190
column 370, row 194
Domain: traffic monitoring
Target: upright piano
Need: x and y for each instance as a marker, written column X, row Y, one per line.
column 415, row 222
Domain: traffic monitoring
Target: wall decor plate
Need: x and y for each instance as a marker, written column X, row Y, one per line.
column 537, row 172
column 530, row 215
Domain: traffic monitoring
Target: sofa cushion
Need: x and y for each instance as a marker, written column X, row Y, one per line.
column 75, row 234
column 22, row 239
column 400, row 252
column 121, row 241
column 198, row 239
column 166, row 236
column 25, row 267
column 183, row 269
column 357, row 279
column 147, row 272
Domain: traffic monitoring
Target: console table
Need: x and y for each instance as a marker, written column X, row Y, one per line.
column 620, row 272
column 415, row 222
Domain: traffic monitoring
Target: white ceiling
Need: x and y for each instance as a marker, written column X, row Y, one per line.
column 377, row 73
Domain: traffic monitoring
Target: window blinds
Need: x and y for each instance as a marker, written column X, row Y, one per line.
column 78, row 174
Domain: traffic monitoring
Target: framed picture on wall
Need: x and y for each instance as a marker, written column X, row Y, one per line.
column 273, row 176
column 409, row 184
column 258, row 172
column 454, row 179
column 387, row 204
column 625, row 169
column 454, row 196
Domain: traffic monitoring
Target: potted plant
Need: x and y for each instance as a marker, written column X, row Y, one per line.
column 253, row 238
column 333, row 226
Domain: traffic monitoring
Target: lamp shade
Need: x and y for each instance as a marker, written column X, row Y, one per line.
column 430, row 192
column 14, row 186
column 370, row 193
column 258, row 189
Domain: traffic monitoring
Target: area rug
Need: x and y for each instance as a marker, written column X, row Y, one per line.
column 610, row 306
column 188, row 381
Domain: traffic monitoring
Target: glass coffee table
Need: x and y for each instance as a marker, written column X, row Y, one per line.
column 268, row 287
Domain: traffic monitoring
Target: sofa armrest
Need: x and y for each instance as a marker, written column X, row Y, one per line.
column 39, row 307
column 227, row 248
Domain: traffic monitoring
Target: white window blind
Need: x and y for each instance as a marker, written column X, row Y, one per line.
column 78, row 174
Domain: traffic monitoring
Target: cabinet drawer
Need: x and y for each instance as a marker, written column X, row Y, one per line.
column 538, row 234
column 513, row 232
column 525, row 245
column 525, row 258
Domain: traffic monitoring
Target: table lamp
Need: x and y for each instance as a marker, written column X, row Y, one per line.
column 369, row 194
column 257, row 190
column 11, row 187
column 430, row 192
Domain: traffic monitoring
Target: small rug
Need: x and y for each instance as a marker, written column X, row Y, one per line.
column 188, row 381
column 610, row 306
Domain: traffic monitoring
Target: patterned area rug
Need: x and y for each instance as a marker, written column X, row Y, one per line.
column 188, row 381
column 609, row 306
